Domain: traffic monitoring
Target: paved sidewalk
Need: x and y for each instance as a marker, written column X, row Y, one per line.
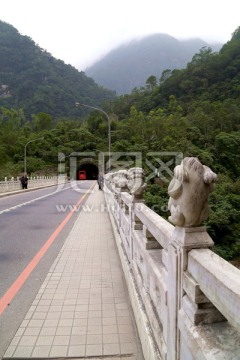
column 82, row 309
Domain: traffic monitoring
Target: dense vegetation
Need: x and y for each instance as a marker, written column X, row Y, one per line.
column 195, row 111
column 32, row 79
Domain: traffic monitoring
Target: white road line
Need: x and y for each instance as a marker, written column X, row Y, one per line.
column 31, row 201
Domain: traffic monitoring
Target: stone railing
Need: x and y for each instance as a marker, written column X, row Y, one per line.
column 185, row 298
column 14, row 184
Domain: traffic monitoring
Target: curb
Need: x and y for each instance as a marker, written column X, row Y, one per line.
column 24, row 190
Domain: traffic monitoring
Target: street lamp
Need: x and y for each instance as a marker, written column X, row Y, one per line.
column 25, row 153
column 109, row 127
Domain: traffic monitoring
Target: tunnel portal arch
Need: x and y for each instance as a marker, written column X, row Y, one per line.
column 89, row 169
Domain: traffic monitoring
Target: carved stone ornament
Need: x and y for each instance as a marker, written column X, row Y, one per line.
column 108, row 180
column 121, row 180
column 113, row 180
column 136, row 183
column 189, row 190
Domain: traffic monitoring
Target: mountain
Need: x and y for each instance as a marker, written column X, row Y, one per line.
column 32, row 79
column 209, row 76
column 130, row 65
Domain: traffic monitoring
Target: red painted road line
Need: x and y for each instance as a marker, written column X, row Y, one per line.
column 18, row 283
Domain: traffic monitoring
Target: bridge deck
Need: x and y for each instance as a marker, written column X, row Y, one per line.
column 82, row 309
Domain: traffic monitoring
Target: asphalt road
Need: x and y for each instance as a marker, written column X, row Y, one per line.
column 28, row 221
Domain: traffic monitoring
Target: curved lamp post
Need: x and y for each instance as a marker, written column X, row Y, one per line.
column 25, row 153
column 77, row 104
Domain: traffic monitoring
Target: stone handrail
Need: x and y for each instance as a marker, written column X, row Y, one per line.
column 221, row 287
column 13, row 184
column 185, row 298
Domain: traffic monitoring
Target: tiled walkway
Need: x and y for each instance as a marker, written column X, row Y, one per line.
column 82, row 309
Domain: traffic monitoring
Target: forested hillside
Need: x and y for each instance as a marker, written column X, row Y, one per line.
column 30, row 78
column 130, row 65
column 195, row 111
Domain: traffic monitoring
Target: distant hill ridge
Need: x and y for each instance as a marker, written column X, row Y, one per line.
column 32, row 79
column 130, row 65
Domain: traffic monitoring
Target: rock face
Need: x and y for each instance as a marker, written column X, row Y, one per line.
column 189, row 190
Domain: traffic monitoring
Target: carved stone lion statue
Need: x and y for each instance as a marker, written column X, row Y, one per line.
column 121, row 180
column 136, row 183
column 189, row 190
column 108, row 180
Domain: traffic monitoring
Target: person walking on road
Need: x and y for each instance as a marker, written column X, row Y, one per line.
column 24, row 181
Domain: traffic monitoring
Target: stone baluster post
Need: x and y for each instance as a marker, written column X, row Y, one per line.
column 136, row 185
column 6, row 183
column 188, row 204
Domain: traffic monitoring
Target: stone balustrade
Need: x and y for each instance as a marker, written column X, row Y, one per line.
column 185, row 298
column 13, row 184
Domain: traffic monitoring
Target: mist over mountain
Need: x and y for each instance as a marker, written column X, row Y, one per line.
column 130, row 65
column 32, row 79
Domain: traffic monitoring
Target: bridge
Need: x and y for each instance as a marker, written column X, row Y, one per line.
column 7, row 186
column 129, row 284
column 186, row 299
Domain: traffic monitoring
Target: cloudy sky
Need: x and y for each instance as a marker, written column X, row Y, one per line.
column 80, row 32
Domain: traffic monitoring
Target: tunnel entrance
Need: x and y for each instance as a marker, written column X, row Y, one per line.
column 87, row 171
